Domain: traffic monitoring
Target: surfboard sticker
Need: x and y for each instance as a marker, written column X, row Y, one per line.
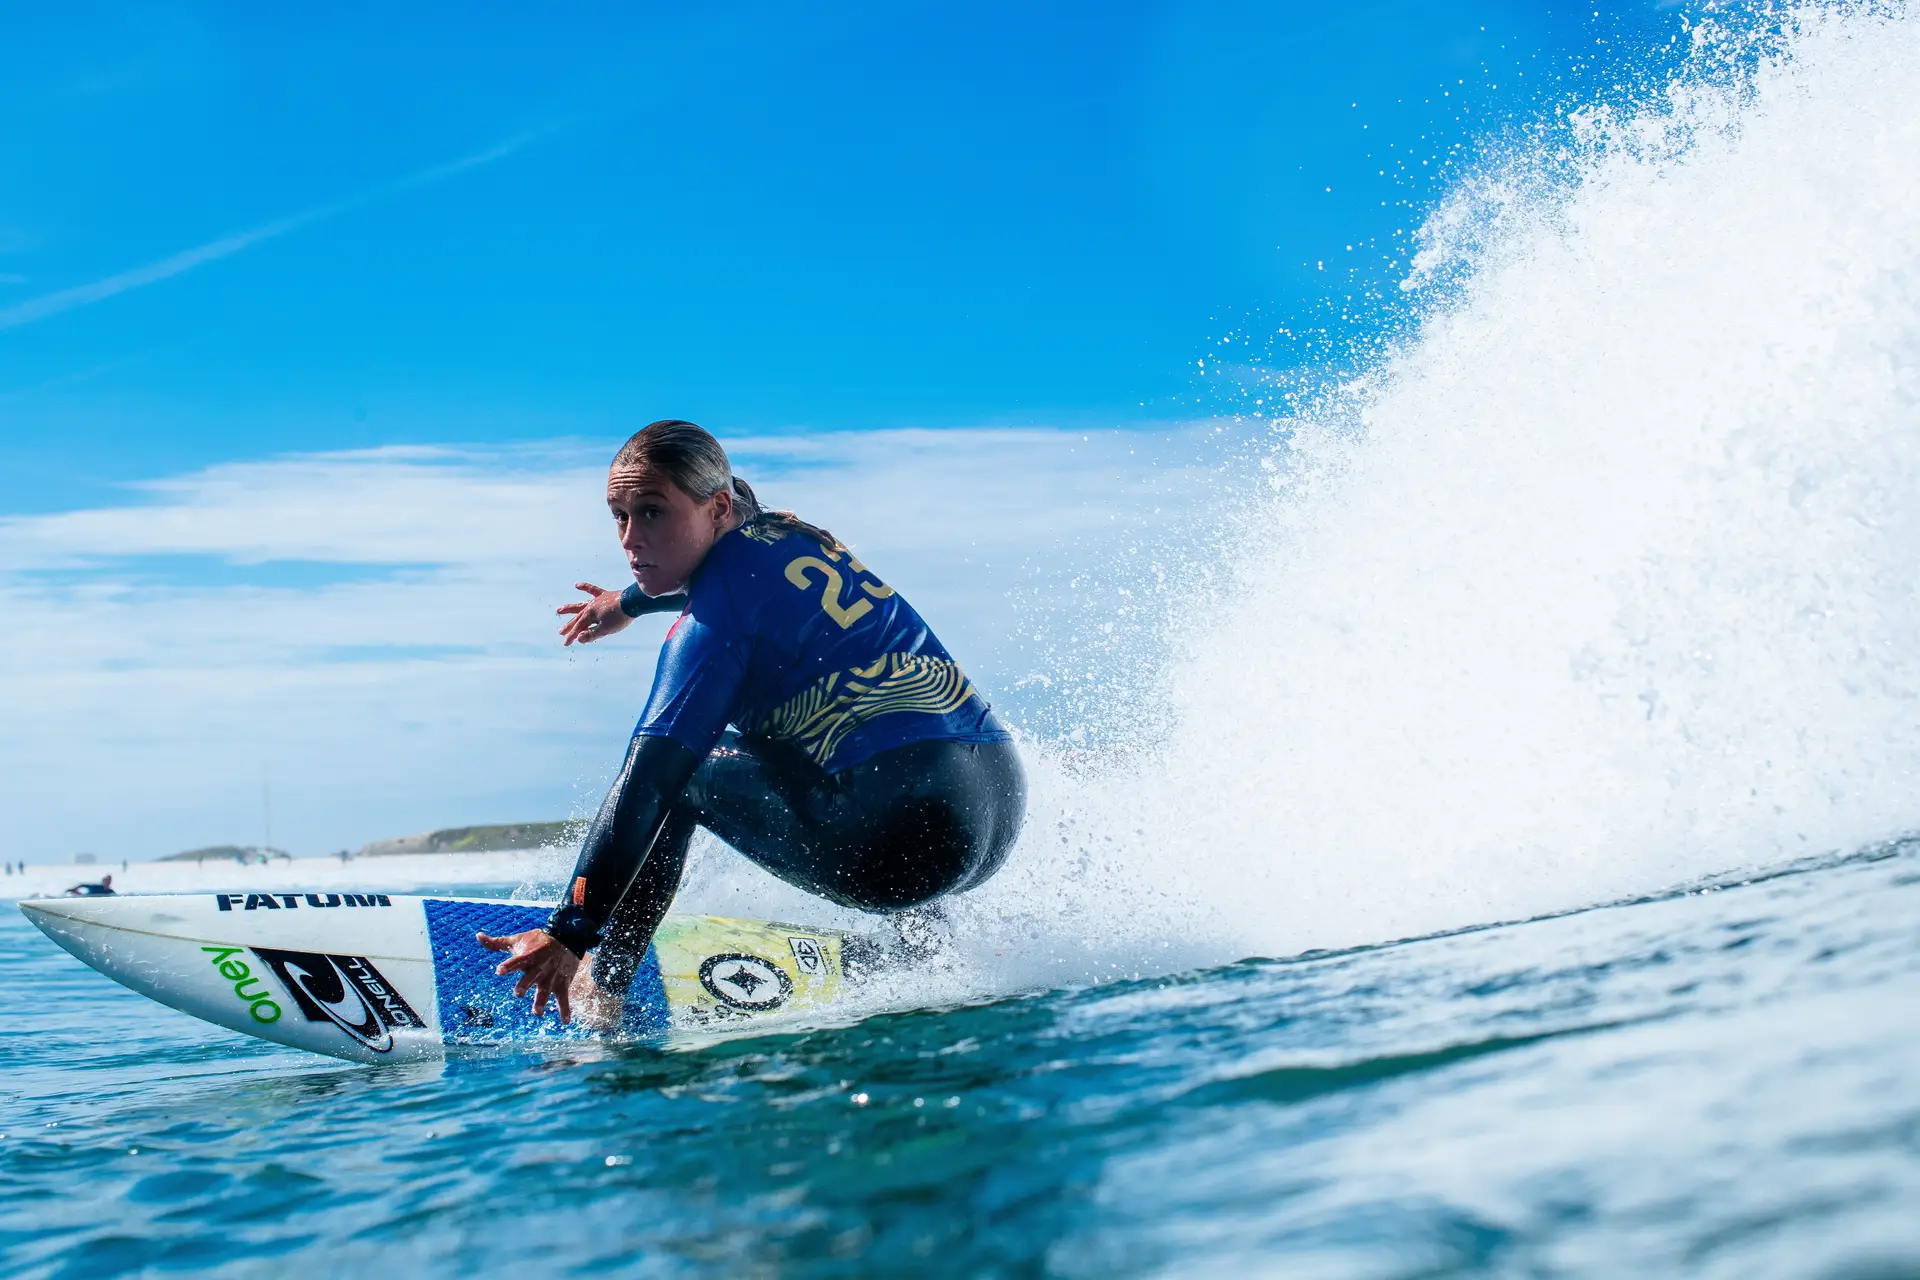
column 382, row 977
column 718, row 970
column 745, row 982
column 806, row 954
column 347, row 991
column 292, row 901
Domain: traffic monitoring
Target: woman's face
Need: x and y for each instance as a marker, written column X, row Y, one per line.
column 665, row 533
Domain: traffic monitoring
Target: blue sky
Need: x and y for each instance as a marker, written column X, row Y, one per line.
column 239, row 237
column 764, row 216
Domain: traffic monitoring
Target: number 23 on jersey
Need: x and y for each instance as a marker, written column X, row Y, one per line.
column 805, row 571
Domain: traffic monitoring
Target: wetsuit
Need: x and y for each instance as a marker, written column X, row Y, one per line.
column 862, row 765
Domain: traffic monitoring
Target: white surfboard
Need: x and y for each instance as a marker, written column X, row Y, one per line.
column 375, row 977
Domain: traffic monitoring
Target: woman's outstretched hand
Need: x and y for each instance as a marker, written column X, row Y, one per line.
column 592, row 619
column 545, row 966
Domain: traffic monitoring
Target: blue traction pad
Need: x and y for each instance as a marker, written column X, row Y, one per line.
column 477, row 1005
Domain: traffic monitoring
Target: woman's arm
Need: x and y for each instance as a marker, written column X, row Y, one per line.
column 610, row 611
column 696, row 685
column 617, row 844
column 656, row 771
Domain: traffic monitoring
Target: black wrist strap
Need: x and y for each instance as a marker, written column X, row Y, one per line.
column 634, row 602
column 573, row 928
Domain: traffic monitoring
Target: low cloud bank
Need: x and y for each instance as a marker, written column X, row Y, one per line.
column 341, row 646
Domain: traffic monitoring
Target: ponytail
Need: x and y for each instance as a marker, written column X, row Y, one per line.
column 744, row 499
column 782, row 522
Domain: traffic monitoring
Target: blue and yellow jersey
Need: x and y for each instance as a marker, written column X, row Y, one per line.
column 786, row 639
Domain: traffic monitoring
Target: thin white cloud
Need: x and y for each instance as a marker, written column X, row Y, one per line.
column 51, row 304
column 424, row 686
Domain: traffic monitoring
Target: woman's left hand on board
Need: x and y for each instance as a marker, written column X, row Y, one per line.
column 545, row 966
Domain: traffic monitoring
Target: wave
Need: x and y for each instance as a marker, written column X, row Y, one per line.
column 1599, row 579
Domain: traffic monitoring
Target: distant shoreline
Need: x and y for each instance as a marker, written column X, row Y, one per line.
column 390, row 873
column 503, row 837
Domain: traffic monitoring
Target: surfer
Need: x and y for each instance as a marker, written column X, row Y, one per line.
column 861, row 765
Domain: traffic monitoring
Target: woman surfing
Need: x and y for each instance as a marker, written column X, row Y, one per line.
column 801, row 711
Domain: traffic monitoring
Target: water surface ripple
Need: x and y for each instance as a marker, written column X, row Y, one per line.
column 1717, row 1083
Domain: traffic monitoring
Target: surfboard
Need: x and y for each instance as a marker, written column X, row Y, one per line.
column 376, row 977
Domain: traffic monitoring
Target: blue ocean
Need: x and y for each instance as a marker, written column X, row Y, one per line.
column 1715, row 1081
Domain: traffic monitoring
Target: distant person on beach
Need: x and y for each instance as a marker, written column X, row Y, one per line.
column 104, row 889
column 861, row 763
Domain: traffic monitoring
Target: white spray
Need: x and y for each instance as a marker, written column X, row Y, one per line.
column 1604, row 580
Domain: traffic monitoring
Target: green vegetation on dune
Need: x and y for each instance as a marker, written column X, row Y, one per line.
column 514, row 835
column 493, row 839
column 233, row 852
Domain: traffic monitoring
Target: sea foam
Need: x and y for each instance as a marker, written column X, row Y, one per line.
column 1602, row 579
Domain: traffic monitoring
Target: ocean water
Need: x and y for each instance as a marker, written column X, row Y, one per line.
column 1719, row 1082
column 1596, row 579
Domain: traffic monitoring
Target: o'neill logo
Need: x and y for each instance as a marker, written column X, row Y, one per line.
column 346, row 991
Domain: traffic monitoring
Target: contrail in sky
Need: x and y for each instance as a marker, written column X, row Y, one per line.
column 187, row 259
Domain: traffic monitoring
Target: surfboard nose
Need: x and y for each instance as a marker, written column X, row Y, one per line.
column 57, row 919
column 112, row 935
column 63, row 917
column 312, row 970
column 81, row 929
column 74, row 923
column 41, row 910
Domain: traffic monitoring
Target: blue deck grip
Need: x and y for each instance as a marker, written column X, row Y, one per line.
column 477, row 1006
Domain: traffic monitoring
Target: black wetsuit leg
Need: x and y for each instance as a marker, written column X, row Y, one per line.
column 895, row 831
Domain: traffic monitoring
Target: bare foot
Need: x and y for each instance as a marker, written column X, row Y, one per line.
column 594, row 1009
